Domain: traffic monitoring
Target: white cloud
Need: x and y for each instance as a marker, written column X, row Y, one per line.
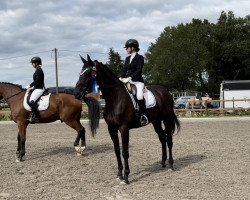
column 94, row 26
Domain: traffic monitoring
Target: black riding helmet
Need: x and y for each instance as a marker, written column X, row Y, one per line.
column 132, row 43
column 37, row 60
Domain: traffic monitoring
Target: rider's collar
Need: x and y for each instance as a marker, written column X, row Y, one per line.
column 132, row 55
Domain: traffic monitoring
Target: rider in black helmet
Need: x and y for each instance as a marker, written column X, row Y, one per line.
column 132, row 43
column 38, row 88
column 132, row 71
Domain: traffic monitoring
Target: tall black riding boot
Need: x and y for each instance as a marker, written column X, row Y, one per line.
column 35, row 116
column 143, row 118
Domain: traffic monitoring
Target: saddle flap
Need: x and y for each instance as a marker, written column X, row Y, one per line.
column 43, row 102
column 149, row 97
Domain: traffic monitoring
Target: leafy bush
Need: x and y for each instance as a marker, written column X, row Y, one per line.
column 5, row 117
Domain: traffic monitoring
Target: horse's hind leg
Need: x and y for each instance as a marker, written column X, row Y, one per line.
column 170, row 146
column 82, row 133
column 80, row 136
column 162, row 138
column 169, row 132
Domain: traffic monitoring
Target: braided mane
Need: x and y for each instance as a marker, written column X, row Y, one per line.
column 108, row 69
column 19, row 86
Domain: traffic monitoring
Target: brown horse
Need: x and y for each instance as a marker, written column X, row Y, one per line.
column 119, row 113
column 64, row 107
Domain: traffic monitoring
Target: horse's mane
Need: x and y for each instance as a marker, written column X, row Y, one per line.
column 108, row 69
column 19, row 86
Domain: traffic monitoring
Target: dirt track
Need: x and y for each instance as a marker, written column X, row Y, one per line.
column 211, row 161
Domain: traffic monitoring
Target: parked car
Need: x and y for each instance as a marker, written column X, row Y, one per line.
column 213, row 105
column 181, row 102
column 63, row 89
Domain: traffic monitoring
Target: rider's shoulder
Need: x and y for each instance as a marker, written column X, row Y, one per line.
column 140, row 56
column 39, row 68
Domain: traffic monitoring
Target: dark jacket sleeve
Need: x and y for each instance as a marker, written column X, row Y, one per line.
column 140, row 64
column 124, row 69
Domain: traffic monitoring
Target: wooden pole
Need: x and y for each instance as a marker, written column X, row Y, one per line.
column 56, row 68
column 206, row 107
column 233, row 106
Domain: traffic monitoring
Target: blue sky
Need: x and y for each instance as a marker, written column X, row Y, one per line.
column 93, row 26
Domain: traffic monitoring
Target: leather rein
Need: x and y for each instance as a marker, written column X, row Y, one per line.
column 13, row 95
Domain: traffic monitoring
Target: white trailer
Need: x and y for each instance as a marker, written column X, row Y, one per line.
column 233, row 90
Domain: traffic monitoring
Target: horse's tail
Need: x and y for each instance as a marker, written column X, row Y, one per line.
column 93, row 113
column 177, row 123
column 172, row 122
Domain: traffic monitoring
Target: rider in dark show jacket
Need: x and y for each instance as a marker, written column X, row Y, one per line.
column 132, row 71
column 38, row 88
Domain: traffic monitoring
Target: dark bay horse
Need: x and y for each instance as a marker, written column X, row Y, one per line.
column 119, row 113
column 64, row 107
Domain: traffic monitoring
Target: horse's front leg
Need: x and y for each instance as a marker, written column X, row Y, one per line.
column 125, row 152
column 113, row 131
column 21, row 140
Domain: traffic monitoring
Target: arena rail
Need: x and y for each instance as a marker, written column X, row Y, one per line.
column 206, row 109
column 5, row 110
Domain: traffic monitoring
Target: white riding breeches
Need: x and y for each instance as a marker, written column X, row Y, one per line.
column 140, row 88
column 36, row 94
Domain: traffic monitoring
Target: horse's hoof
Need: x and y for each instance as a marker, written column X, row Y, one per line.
column 119, row 179
column 163, row 165
column 19, row 160
column 79, row 150
column 123, row 182
column 171, row 169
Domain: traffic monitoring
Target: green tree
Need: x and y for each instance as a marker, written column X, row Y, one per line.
column 229, row 46
column 115, row 63
column 199, row 55
column 178, row 58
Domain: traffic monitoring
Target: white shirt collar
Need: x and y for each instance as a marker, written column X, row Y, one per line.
column 132, row 55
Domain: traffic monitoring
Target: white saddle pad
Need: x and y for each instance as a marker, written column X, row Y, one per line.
column 150, row 100
column 43, row 103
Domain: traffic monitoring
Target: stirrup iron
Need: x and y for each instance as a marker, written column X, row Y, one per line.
column 144, row 120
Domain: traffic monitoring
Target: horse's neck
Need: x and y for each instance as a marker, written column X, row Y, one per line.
column 113, row 95
column 8, row 91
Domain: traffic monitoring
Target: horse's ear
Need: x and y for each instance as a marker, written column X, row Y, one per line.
column 83, row 60
column 88, row 57
column 90, row 61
